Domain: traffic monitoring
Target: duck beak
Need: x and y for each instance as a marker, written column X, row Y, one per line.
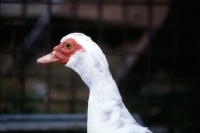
column 48, row 58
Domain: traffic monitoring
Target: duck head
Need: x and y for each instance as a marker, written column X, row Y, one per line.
column 78, row 52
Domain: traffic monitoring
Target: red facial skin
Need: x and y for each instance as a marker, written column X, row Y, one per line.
column 62, row 52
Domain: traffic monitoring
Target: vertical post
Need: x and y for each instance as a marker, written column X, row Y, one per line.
column 48, row 40
column 74, row 13
column 175, row 24
column 100, row 28
column 150, row 27
column 1, row 110
column 125, row 27
column 0, row 9
column 21, row 63
column 196, row 114
column 125, row 21
column 74, row 18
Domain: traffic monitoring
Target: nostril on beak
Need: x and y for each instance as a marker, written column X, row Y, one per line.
column 52, row 53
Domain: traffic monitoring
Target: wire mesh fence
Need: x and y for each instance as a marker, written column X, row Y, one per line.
column 152, row 47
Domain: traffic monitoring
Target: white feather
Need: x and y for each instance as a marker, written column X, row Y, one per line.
column 106, row 111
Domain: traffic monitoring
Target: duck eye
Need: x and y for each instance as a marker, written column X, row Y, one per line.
column 68, row 45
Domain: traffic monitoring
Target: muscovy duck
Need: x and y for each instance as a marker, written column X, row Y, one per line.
column 106, row 111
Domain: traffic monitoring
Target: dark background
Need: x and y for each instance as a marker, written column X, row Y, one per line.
column 162, row 85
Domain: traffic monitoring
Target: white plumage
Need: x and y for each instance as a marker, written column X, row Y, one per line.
column 106, row 111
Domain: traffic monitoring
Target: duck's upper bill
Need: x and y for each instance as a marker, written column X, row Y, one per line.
column 48, row 58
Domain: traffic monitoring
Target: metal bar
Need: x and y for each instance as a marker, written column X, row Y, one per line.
column 125, row 20
column 149, row 56
column 175, row 25
column 48, row 72
column 74, row 8
column 74, row 11
column 129, row 2
column 1, row 108
column 61, row 122
column 100, row 26
column 105, row 1
column 0, row 9
column 21, row 62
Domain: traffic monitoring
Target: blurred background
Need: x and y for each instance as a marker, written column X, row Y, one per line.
column 152, row 47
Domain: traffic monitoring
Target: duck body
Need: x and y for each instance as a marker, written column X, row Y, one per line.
column 106, row 111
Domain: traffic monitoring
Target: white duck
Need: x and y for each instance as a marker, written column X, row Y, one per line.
column 106, row 111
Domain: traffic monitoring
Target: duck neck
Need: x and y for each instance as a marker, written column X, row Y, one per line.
column 101, row 84
column 96, row 75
